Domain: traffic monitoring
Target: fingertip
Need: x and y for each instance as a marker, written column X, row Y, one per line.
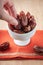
column 15, row 22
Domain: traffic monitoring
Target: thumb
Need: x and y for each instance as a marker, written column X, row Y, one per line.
column 8, row 18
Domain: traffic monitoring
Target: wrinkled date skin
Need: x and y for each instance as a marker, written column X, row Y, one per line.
column 23, row 19
column 27, row 29
column 4, row 46
column 26, row 23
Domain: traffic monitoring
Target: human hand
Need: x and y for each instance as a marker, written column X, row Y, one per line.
column 10, row 15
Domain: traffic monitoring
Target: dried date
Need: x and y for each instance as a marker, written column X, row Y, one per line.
column 38, row 49
column 28, row 15
column 24, row 21
column 4, row 46
column 27, row 29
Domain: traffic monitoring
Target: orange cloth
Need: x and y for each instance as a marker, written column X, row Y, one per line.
column 25, row 52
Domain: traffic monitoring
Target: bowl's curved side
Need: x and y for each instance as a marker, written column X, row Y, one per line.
column 22, row 36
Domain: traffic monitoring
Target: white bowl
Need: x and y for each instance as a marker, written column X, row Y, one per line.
column 22, row 39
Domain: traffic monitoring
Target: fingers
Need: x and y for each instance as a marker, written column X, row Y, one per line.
column 5, row 16
column 2, row 2
column 6, row 6
column 11, row 9
column 8, row 18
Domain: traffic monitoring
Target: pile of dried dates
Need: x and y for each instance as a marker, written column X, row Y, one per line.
column 26, row 23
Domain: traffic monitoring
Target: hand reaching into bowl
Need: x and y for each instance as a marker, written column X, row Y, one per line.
column 10, row 17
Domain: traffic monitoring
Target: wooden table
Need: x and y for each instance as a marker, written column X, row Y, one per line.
column 22, row 62
column 35, row 7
